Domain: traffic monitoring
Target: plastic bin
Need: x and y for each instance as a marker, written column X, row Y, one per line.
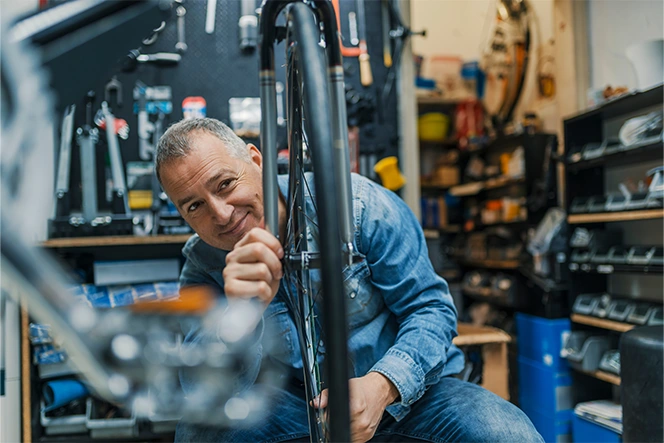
column 545, row 390
column 583, row 352
column 541, row 340
column 71, row 424
column 109, row 427
column 551, row 429
column 585, row 431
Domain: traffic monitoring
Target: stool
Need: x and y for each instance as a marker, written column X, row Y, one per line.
column 494, row 341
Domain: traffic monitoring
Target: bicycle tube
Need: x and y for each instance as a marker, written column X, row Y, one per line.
column 317, row 108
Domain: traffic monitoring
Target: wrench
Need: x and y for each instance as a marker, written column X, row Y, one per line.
column 181, row 46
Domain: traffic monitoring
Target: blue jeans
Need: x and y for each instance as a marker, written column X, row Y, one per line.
column 451, row 410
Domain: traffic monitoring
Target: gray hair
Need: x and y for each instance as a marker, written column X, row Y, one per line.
column 176, row 141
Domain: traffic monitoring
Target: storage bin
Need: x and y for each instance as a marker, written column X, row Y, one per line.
column 109, row 427
column 433, row 126
column 545, row 390
column 585, row 431
column 583, row 352
column 71, row 424
column 551, row 429
column 541, row 340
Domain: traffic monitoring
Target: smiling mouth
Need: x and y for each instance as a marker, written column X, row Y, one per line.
column 234, row 230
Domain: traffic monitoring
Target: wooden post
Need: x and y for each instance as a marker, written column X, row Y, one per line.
column 26, row 421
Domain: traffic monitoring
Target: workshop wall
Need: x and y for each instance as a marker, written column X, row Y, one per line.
column 215, row 68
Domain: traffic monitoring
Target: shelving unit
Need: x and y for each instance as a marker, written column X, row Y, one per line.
column 86, row 249
column 588, row 175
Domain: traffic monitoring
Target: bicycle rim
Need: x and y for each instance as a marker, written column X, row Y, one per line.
column 310, row 132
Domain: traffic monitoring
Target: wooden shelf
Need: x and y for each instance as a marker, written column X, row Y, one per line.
column 435, row 100
column 474, row 188
column 122, row 240
column 492, row 264
column 479, row 335
column 604, row 376
column 604, row 217
column 601, row 323
column 448, row 142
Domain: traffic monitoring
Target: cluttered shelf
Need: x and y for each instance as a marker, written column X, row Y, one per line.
column 633, row 154
column 601, row 323
column 121, row 240
column 604, row 217
column 623, row 104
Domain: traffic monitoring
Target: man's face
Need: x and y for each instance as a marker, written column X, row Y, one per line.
column 221, row 197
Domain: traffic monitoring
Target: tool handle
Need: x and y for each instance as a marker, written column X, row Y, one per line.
column 366, row 77
column 161, row 58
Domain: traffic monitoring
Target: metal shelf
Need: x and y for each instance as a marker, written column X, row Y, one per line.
column 605, row 217
column 601, row 323
column 608, row 268
column 650, row 151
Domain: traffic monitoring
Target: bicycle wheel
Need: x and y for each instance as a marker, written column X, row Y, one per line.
column 313, row 214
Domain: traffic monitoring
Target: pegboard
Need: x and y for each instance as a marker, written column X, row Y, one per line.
column 215, row 68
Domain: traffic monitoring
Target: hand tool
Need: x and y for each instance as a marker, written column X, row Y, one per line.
column 366, row 77
column 112, row 86
column 119, row 201
column 385, row 22
column 62, row 207
column 248, row 25
column 210, row 16
column 145, row 126
column 346, row 52
column 352, row 29
column 181, row 46
column 87, row 137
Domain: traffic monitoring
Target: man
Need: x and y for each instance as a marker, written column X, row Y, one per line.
column 400, row 314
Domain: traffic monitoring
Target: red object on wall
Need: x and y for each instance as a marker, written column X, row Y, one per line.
column 469, row 119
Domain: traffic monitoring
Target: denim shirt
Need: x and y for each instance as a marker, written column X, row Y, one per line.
column 400, row 313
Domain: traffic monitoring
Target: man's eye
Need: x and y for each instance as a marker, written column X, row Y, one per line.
column 193, row 207
column 225, row 184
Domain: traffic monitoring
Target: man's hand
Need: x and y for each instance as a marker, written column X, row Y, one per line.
column 369, row 396
column 253, row 267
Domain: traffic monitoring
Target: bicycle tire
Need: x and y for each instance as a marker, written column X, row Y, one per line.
column 309, row 123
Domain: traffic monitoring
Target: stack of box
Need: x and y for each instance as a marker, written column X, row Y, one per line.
column 545, row 382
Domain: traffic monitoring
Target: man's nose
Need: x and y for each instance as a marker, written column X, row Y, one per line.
column 221, row 211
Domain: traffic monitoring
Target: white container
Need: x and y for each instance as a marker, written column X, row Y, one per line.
column 648, row 61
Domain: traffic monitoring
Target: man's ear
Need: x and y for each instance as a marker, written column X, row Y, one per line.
column 256, row 156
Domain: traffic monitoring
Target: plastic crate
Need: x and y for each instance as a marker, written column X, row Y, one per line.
column 545, row 390
column 109, row 428
column 552, row 429
column 585, row 431
column 541, row 339
column 69, row 424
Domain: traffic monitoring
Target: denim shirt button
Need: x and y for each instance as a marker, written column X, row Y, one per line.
column 352, row 294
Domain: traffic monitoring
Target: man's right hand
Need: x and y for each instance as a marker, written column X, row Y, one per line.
column 253, row 267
